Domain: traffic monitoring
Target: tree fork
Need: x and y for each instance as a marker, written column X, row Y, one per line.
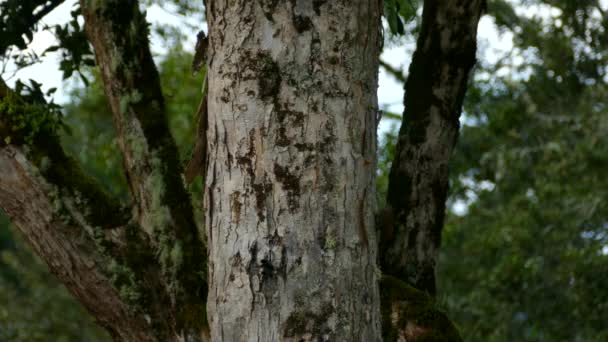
column 119, row 34
column 70, row 222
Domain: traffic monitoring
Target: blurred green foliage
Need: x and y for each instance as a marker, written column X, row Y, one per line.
column 526, row 256
column 398, row 13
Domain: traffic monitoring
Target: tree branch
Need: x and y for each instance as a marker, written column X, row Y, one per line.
column 393, row 71
column 119, row 34
column 418, row 181
column 71, row 223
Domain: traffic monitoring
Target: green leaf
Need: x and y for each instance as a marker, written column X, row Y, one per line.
column 392, row 12
column 407, row 9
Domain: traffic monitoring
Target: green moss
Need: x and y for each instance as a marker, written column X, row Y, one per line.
column 36, row 125
column 128, row 99
column 416, row 307
column 301, row 323
column 177, row 255
column 330, row 239
column 125, row 281
column 73, row 184
column 96, row 4
column 194, row 315
column 158, row 218
column 22, row 121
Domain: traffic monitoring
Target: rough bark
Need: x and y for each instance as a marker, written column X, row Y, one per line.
column 70, row 222
column 151, row 260
column 119, row 34
column 418, row 186
column 411, row 223
column 290, row 188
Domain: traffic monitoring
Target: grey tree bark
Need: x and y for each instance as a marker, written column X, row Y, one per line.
column 290, row 188
column 418, row 182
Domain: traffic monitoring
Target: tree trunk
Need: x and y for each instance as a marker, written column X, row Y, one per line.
column 290, row 187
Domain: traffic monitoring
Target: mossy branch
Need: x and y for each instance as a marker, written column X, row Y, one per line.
column 34, row 126
column 119, row 33
column 69, row 220
column 412, row 314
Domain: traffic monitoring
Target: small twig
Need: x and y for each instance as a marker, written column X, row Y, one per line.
column 393, row 71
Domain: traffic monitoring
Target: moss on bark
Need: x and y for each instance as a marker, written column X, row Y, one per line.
column 412, row 314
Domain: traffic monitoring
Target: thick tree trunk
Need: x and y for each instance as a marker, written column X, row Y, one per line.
column 290, row 187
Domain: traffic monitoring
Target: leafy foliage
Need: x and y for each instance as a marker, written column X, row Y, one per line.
column 19, row 21
column 75, row 48
column 28, row 114
column 527, row 259
column 398, row 13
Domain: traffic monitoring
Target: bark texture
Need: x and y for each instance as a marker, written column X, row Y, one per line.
column 119, row 34
column 140, row 270
column 434, row 93
column 290, row 187
column 70, row 222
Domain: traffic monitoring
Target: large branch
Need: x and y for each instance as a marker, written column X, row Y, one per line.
column 71, row 223
column 434, row 93
column 119, row 34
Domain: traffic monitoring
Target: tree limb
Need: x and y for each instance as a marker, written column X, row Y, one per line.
column 418, row 181
column 397, row 73
column 119, row 34
column 71, row 223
